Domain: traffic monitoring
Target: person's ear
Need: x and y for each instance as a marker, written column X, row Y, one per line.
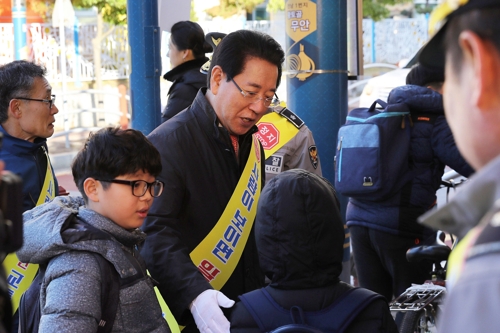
column 216, row 78
column 92, row 187
column 187, row 54
column 15, row 108
column 485, row 61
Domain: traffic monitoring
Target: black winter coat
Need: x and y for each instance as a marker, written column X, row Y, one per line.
column 186, row 81
column 300, row 238
column 200, row 172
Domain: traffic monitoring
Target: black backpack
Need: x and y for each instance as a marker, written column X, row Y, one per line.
column 336, row 318
column 29, row 306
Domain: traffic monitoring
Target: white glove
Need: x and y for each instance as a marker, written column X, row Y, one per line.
column 207, row 313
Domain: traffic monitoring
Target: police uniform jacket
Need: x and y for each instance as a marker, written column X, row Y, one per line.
column 28, row 160
column 300, row 152
column 200, row 172
column 300, row 239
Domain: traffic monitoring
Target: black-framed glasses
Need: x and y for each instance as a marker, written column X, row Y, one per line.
column 254, row 97
column 50, row 101
column 139, row 187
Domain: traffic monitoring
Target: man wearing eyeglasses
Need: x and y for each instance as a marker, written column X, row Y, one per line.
column 200, row 230
column 287, row 141
column 27, row 119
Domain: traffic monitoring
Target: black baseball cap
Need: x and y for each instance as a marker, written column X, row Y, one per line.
column 212, row 38
column 433, row 53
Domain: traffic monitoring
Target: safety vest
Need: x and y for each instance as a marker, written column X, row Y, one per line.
column 19, row 274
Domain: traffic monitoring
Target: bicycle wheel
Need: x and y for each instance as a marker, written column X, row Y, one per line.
column 418, row 322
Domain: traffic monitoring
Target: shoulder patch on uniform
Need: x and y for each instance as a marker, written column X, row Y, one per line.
column 292, row 117
column 313, row 156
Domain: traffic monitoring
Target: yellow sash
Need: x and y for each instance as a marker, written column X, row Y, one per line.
column 218, row 254
column 274, row 132
column 20, row 275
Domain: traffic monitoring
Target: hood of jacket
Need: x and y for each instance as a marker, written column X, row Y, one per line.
column 419, row 99
column 186, row 67
column 299, row 231
column 49, row 232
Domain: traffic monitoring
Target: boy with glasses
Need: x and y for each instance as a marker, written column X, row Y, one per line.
column 200, row 234
column 118, row 186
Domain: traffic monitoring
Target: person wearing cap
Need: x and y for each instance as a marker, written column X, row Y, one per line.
column 186, row 51
column 467, row 46
column 200, row 245
column 382, row 232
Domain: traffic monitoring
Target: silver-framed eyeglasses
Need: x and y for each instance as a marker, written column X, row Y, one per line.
column 254, row 97
column 50, row 101
column 139, row 187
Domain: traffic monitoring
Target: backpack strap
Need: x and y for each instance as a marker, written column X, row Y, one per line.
column 259, row 306
column 347, row 311
column 270, row 315
column 110, row 293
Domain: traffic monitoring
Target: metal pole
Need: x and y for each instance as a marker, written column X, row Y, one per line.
column 144, row 40
column 19, row 21
column 76, row 32
column 317, row 68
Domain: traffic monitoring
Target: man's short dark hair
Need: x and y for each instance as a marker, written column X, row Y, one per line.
column 111, row 152
column 237, row 47
column 16, row 80
column 483, row 22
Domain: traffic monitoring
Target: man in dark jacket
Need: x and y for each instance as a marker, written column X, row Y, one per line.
column 382, row 232
column 206, row 152
column 300, row 239
column 27, row 119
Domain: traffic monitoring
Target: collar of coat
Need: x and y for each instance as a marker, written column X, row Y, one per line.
column 469, row 205
column 177, row 71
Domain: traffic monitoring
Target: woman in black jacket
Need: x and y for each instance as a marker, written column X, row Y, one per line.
column 187, row 48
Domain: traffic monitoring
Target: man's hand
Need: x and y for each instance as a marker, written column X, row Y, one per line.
column 207, row 313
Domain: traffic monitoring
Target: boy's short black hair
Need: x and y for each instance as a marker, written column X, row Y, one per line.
column 111, row 152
